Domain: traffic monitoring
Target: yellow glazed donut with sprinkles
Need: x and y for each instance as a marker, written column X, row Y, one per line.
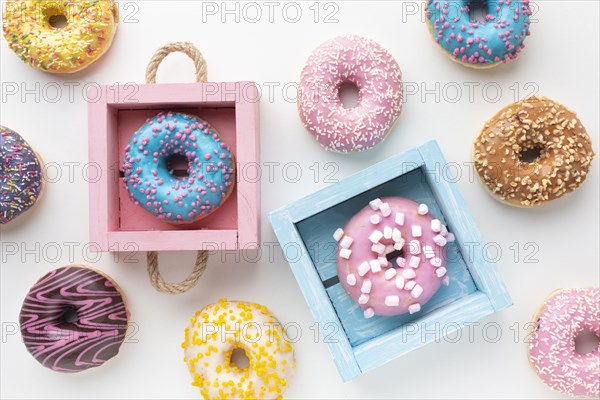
column 217, row 331
column 60, row 36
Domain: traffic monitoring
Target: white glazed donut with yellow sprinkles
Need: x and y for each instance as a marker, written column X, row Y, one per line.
column 60, row 36
column 213, row 335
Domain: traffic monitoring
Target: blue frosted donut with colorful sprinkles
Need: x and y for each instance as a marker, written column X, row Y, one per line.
column 210, row 174
column 479, row 44
column 21, row 177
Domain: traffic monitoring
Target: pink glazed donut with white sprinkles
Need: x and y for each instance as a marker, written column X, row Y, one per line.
column 376, row 74
column 564, row 315
column 392, row 256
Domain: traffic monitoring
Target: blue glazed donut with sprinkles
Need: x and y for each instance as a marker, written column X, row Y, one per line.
column 152, row 182
column 21, row 176
column 479, row 44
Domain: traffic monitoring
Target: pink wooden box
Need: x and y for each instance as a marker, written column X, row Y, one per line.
column 116, row 112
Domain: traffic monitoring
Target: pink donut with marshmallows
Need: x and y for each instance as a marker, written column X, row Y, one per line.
column 392, row 257
column 376, row 74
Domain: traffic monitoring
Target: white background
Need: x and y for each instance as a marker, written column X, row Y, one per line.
column 560, row 61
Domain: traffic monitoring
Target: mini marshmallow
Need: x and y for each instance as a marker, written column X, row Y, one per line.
column 450, row 237
column 436, row 262
column 399, row 282
column 375, row 266
column 387, row 232
column 389, row 249
column 413, row 308
column 436, row 225
column 446, row 281
column 414, row 247
column 417, row 291
column 423, row 209
column 414, row 262
column 378, row 248
column 417, row 231
column 376, row 236
column 440, row 272
column 369, row 313
column 410, row 285
column 440, row 240
column 399, row 244
column 366, row 287
column 444, row 230
column 364, row 268
column 351, row 279
column 400, row 218
column 375, row 204
column 392, row 301
column 363, row 299
column 375, row 219
column 409, row 274
column 385, row 209
column 401, row 261
column 428, row 251
column 396, row 235
column 390, row 273
column 345, row 253
column 346, row 242
column 383, row 261
column 337, row 235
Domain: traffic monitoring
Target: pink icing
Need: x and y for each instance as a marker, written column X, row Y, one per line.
column 552, row 347
column 376, row 74
column 429, row 273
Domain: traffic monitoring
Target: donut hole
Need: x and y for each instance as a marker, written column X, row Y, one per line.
column 239, row 358
column 391, row 257
column 56, row 18
column 530, row 155
column 586, row 342
column 178, row 165
column 69, row 315
column 349, row 94
column 478, row 10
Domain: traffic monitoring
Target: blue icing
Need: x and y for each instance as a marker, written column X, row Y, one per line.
column 499, row 38
column 156, row 189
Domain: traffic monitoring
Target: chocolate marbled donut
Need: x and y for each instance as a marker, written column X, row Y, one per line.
column 74, row 318
column 20, row 177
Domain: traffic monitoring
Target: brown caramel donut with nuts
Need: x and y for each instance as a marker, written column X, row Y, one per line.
column 531, row 152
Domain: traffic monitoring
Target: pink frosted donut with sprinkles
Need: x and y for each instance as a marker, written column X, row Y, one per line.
column 151, row 181
column 564, row 315
column 372, row 69
column 392, row 257
column 479, row 44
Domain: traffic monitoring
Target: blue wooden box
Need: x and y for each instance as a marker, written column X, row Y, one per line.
column 305, row 228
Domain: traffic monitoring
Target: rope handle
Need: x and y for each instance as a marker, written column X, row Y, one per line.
column 175, row 288
column 182, row 47
column 152, row 256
